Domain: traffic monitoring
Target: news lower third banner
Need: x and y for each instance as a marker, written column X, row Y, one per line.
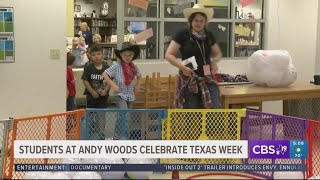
column 130, row 149
column 160, row 167
column 271, row 149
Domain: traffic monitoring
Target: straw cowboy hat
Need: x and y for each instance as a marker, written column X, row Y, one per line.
column 127, row 46
column 198, row 8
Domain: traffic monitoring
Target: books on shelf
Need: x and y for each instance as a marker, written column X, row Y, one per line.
column 100, row 23
column 95, row 30
column 108, row 53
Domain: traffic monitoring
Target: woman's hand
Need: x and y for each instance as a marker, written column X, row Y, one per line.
column 214, row 68
column 186, row 71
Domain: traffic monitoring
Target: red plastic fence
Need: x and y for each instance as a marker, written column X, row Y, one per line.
column 313, row 161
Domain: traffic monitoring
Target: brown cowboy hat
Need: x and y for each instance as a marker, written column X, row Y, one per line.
column 127, row 46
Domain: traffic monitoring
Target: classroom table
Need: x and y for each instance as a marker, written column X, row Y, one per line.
column 250, row 93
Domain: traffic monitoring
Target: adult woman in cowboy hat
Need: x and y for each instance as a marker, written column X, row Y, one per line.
column 196, row 87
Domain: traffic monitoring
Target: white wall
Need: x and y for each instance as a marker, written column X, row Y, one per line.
column 289, row 29
column 34, row 84
column 295, row 32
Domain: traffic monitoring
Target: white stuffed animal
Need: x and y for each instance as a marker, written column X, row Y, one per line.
column 271, row 68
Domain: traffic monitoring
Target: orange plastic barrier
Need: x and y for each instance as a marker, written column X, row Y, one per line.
column 62, row 126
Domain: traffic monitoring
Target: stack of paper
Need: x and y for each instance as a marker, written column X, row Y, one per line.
column 191, row 60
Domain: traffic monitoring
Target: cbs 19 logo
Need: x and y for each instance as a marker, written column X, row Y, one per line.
column 269, row 149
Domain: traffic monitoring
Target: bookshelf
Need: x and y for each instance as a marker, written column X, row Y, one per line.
column 103, row 26
column 108, row 51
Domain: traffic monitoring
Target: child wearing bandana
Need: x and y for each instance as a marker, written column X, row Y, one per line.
column 121, row 78
column 121, row 75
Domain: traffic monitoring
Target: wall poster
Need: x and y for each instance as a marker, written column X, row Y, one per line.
column 7, row 52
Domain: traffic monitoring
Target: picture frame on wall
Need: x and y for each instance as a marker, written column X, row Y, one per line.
column 77, row 8
column 7, row 39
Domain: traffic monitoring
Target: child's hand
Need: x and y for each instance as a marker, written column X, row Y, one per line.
column 116, row 89
column 95, row 94
column 103, row 93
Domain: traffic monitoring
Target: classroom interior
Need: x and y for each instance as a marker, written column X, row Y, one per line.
column 34, row 83
column 34, row 79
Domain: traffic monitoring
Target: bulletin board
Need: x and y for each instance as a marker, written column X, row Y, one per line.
column 7, row 50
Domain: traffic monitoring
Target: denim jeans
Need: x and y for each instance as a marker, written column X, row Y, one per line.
column 120, row 133
column 70, row 103
column 194, row 100
column 123, row 104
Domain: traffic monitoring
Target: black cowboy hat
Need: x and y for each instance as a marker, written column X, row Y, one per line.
column 127, row 46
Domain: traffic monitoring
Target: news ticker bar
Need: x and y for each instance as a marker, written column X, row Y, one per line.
column 160, row 167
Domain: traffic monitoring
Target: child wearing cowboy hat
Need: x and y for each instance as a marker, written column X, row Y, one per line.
column 121, row 75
